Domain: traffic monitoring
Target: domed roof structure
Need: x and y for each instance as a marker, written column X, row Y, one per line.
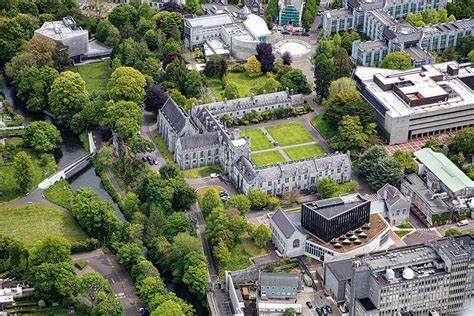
column 408, row 274
column 256, row 26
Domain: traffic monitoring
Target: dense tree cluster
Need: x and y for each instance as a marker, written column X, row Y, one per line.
column 310, row 10
column 397, row 60
column 377, row 168
column 429, row 17
column 461, row 9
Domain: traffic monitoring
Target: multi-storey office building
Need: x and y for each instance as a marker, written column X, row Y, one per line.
column 331, row 218
column 415, row 280
column 290, row 12
column 429, row 100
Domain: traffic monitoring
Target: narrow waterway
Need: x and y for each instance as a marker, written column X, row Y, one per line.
column 71, row 149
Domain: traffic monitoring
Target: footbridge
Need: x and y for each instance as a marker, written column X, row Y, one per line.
column 71, row 167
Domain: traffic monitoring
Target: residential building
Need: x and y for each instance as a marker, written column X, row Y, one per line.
column 255, row 6
column 429, row 100
column 331, row 218
column 436, row 277
column 222, row 34
column 74, row 38
column 280, row 286
column 293, row 238
column 199, row 139
column 395, row 205
column 290, row 12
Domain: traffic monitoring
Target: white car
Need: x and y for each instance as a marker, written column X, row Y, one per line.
column 214, row 175
column 464, row 222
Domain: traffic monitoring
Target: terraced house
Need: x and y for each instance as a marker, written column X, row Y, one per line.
column 199, row 138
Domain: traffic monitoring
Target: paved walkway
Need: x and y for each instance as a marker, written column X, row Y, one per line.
column 148, row 131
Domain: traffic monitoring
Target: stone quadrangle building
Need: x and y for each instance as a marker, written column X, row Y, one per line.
column 199, row 138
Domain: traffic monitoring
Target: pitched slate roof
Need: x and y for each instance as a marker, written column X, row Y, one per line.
column 199, row 140
column 444, row 169
column 283, row 223
column 342, row 269
column 174, row 115
column 393, row 194
column 280, row 279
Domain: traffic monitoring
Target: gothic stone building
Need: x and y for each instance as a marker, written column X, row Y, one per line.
column 199, row 139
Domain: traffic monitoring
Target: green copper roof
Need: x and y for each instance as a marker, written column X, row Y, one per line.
column 444, row 169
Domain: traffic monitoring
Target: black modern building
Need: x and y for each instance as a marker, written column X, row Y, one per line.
column 331, row 218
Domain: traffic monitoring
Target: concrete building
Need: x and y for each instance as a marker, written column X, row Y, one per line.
column 290, row 12
column 436, row 277
column 280, row 286
column 380, row 21
column 75, row 39
column 222, row 34
column 199, row 139
column 429, row 100
column 293, row 239
column 438, row 189
column 396, row 207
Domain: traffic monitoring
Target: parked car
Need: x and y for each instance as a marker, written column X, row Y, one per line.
column 296, row 33
column 324, row 311
column 214, row 175
column 318, row 310
column 224, row 196
column 305, row 34
column 309, row 304
column 155, row 162
column 329, row 309
column 464, row 222
column 285, row 32
column 144, row 159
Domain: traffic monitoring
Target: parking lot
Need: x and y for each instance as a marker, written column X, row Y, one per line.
column 317, row 300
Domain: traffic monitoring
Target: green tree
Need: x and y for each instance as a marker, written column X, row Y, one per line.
column 290, row 312
column 342, row 63
column 296, row 81
column 128, row 255
column 210, row 201
column 222, row 253
column 406, row 160
column 216, row 66
column 258, row 198
column 67, row 97
column 231, row 91
column 91, row 284
column 341, row 85
column 169, row 171
column 42, row 137
column 193, row 6
column 241, row 202
column 253, row 66
column 326, row 187
column 124, row 17
column 106, row 156
column 270, row 85
column 150, row 287
column 34, row 86
column 184, row 195
column 144, row 269
column 51, row 249
column 196, row 278
column 176, row 223
column 23, row 167
column 324, row 73
column 377, row 168
column 127, row 84
column 348, row 103
column 157, row 191
column 261, row 235
column 53, row 281
column 351, row 135
column 192, row 84
column 125, row 111
column 130, row 204
column 107, row 304
column 452, row 232
column 470, row 56
column 168, row 308
column 397, row 60
column 464, row 141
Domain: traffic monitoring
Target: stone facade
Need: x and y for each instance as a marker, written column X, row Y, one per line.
column 396, row 205
column 199, row 139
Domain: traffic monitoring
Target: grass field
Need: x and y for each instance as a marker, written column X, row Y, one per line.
column 251, row 248
column 96, row 75
column 240, row 260
column 258, row 140
column 84, row 137
column 201, row 172
column 9, row 189
column 160, row 143
column 305, row 151
column 401, row 233
column 289, row 134
column 60, row 193
column 267, row 158
column 323, row 127
column 245, row 84
column 31, row 223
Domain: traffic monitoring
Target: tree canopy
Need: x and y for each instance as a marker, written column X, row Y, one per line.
column 42, row 137
column 127, row 83
column 397, row 60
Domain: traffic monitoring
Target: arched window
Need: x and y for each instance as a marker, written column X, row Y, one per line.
column 194, row 155
column 296, row 243
column 186, row 156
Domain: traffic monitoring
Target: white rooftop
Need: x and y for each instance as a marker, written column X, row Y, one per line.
column 256, row 26
column 57, row 30
column 210, row 20
column 423, row 85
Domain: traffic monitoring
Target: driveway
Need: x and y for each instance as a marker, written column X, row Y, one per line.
column 108, row 266
column 206, row 182
column 148, row 131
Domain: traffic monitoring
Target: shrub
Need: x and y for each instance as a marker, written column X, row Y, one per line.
column 81, row 264
column 84, row 245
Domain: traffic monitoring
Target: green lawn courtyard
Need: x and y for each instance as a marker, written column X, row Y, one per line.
column 244, row 82
column 96, row 75
column 201, row 172
column 305, row 151
column 258, row 140
column 267, row 158
column 289, row 134
column 31, row 223
column 323, row 127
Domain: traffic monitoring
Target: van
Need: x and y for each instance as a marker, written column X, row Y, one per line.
column 464, row 222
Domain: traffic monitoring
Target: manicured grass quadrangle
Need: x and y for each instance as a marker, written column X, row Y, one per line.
column 31, row 223
column 201, row 172
column 289, row 134
column 267, row 158
column 323, row 127
column 305, row 151
column 245, row 84
column 258, row 140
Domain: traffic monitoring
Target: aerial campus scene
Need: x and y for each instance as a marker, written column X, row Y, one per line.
column 237, row 157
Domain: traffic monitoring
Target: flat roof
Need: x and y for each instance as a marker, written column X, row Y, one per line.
column 330, row 208
column 422, row 81
column 373, row 45
column 444, row 169
column 209, row 20
column 57, row 30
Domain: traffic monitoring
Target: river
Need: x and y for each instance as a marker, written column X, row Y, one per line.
column 71, row 149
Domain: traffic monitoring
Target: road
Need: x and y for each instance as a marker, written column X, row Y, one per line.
column 120, row 280
column 36, row 197
column 148, row 131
